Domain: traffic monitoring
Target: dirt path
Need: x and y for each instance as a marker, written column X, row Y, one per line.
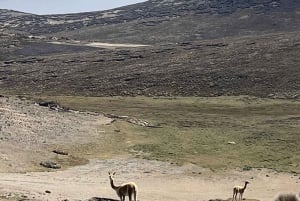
column 100, row 45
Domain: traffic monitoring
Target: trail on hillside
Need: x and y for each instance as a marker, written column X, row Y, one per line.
column 100, row 45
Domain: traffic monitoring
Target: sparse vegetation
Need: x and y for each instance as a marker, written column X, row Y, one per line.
column 219, row 80
column 197, row 130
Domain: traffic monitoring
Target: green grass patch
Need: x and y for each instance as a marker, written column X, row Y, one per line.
column 197, row 130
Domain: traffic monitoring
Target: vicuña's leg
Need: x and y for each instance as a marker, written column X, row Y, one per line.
column 129, row 195
column 134, row 194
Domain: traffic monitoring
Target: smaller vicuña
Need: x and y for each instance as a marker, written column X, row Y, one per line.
column 239, row 190
column 127, row 189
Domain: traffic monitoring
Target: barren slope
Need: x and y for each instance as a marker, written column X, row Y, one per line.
column 197, row 48
column 264, row 66
column 29, row 133
column 163, row 21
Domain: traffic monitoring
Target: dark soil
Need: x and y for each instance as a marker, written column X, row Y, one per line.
column 199, row 48
column 264, row 66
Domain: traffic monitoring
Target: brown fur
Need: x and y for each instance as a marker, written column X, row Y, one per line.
column 287, row 197
column 239, row 190
column 127, row 189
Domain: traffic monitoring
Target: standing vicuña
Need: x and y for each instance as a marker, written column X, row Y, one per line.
column 127, row 189
column 240, row 190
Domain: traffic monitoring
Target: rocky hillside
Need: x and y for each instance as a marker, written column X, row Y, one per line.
column 164, row 21
column 196, row 48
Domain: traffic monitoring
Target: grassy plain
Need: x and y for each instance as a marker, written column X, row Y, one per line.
column 215, row 132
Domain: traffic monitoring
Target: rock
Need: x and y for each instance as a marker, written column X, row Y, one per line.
column 49, row 164
column 46, row 191
column 47, row 103
column 212, row 84
column 61, row 152
column 115, row 116
column 247, row 168
column 9, row 62
column 52, row 105
column 119, row 59
column 138, row 122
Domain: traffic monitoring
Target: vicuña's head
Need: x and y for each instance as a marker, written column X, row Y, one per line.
column 247, row 182
column 111, row 175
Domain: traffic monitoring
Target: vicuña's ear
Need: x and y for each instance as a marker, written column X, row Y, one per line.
column 114, row 173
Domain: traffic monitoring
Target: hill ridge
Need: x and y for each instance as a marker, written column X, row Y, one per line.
column 153, row 13
column 251, row 51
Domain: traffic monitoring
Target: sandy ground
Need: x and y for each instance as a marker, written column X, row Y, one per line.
column 28, row 129
column 156, row 181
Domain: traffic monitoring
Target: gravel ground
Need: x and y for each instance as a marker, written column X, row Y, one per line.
column 156, row 181
column 28, row 131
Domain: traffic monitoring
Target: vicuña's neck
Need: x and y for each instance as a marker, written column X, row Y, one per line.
column 112, row 184
column 245, row 185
